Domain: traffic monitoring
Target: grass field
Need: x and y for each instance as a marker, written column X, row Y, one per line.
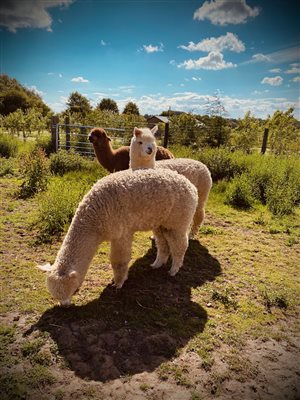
column 226, row 326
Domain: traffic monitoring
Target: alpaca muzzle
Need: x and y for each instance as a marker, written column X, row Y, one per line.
column 149, row 150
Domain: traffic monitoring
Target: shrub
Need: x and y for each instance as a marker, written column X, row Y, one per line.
column 65, row 161
column 6, row 166
column 8, row 146
column 36, row 170
column 239, row 193
column 45, row 143
column 58, row 204
column 222, row 163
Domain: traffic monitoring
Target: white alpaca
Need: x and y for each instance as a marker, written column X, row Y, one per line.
column 195, row 171
column 116, row 207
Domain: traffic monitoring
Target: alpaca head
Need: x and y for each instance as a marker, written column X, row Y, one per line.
column 98, row 135
column 61, row 284
column 143, row 147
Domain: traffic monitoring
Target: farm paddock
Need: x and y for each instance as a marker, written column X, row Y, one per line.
column 226, row 326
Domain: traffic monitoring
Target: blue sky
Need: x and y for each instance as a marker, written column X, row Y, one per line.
column 159, row 54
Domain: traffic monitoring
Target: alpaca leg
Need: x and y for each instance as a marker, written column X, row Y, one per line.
column 178, row 243
column 197, row 220
column 163, row 250
column 120, row 254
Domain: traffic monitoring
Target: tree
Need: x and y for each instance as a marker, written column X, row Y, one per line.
column 77, row 103
column 218, row 131
column 12, row 101
column 284, row 133
column 107, row 104
column 131, row 108
column 246, row 134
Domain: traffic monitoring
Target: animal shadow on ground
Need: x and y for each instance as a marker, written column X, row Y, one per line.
column 138, row 327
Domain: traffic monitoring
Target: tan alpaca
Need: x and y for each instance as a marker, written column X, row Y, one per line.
column 117, row 206
column 195, row 171
column 116, row 160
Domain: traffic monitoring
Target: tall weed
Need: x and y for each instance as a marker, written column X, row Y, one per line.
column 8, row 145
column 35, row 167
column 57, row 206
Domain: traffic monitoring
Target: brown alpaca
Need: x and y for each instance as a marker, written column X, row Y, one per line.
column 116, row 160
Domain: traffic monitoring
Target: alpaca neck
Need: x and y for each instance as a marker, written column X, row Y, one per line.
column 78, row 248
column 105, row 155
column 140, row 163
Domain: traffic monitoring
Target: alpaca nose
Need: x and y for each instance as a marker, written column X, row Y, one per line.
column 149, row 150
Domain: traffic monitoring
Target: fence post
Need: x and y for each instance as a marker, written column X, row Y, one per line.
column 67, row 130
column 166, row 137
column 54, row 142
column 265, row 141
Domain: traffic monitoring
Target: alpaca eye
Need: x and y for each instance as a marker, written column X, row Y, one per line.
column 140, row 142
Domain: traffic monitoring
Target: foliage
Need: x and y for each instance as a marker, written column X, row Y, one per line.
column 77, row 103
column 66, row 161
column 246, row 134
column 36, row 171
column 239, row 193
column 185, row 129
column 131, row 108
column 14, row 96
column 108, row 105
column 284, row 132
column 58, row 204
column 25, row 122
column 8, row 145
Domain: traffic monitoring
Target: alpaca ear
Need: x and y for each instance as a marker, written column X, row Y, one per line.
column 137, row 132
column 45, row 268
column 108, row 138
column 73, row 274
column 154, row 129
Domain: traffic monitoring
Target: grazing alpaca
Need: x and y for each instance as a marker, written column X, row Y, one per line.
column 117, row 160
column 117, row 206
column 195, row 171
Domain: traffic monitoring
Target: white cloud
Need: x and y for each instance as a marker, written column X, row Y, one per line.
column 153, row 49
column 224, row 12
column 172, row 62
column 35, row 90
column 293, row 70
column 275, row 70
column 213, row 61
column 297, row 79
column 260, row 58
column 80, row 79
column 103, row 43
column 226, row 42
column 194, row 78
column 275, row 81
column 16, row 14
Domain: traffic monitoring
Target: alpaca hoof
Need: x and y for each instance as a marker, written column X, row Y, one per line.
column 173, row 271
column 156, row 264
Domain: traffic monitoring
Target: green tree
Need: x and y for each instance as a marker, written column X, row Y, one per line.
column 131, row 108
column 12, row 101
column 284, row 132
column 77, row 103
column 246, row 134
column 107, row 104
column 185, row 129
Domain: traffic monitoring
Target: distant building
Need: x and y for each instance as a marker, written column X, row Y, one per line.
column 157, row 119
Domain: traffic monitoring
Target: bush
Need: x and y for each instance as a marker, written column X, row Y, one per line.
column 239, row 193
column 222, row 163
column 57, row 206
column 36, row 170
column 8, row 146
column 6, row 167
column 65, row 161
column 45, row 143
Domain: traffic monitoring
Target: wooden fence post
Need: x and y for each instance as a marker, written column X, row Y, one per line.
column 166, row 137
column 54, row 140
column 265, row 141
column 67, row 130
